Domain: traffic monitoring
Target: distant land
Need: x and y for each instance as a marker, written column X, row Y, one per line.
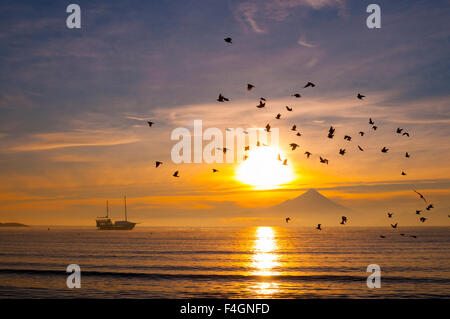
column 12, row 225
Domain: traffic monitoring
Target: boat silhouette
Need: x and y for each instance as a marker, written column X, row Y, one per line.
column 105, row 223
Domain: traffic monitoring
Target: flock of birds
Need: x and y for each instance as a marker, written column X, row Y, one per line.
column 331, row 134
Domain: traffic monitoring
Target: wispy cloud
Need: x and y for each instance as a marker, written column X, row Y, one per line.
column 303, row 42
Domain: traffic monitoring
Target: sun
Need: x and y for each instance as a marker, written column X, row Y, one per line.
column 264, row 170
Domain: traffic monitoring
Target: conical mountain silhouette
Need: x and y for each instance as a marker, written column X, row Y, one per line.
column 312, row 207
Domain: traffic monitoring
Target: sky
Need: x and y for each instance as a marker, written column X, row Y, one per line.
column 74, row 105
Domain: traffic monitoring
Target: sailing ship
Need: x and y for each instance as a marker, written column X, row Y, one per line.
column 105, row 223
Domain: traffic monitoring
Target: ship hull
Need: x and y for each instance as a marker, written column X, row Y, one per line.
column 129, row 226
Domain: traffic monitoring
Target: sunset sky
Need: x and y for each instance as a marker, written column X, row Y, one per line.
column 74, row 105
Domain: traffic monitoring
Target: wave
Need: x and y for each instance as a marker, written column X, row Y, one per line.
column 225, row 277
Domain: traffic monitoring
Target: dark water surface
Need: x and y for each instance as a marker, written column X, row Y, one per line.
column 253, row 262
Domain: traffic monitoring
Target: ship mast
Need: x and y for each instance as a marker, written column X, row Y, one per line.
column 125, row 201
column 107, row 210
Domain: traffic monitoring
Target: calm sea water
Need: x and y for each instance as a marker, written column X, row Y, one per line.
column 256, row 262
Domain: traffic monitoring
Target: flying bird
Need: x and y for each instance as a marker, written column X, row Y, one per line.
column 331, row 132
column 344, row 220
column 318, row 227
column 399, row 130
column 360, row 148
column 288, row 219
column 224, row 149
column 407, row 155
column 298, row 134
column 371, row 122
column 360, row 96
column 278, row 116
column 261, row 104
column 250, row 87
column 308, row 154
column 403, row 173
column 285, row 162
column 323, row 160
column 406, row 133
column 279, row 157
column 342, row 151
column 268, row 127
column 390, row 215
column 429, row 207
column 374, row 127
column 394, row 225
column 294, row 128
column 296, row 95
column 228, row 40
column 245, row 157
column 309, row 84
column 222, row 98
column 294, row 146
column 422, row 219
column 215, row 170
column 289, row 108
column 262, row 99
column 176, row 174
column 150, row 123
column 348, row 138
column 421, row 196
column 361, row 133
column 247, row 148
column 157, row 163
column 418, row 211
column 384, row 150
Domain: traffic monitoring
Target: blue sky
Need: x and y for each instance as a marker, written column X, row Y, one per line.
column 69, row 98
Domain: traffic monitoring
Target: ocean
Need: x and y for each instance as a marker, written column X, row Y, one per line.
column 225, row 262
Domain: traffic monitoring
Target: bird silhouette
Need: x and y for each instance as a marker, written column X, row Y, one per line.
column 278, row 116
column 247, row 148
column 418, row 211
column 215, row 170
column 429, row 207
column 342, row 151
column 262, row 99
column 406, row 134
column 323, row 160
column 289, row 108
column 298, row 134
column 319, row 226
column 176, row 174
column 390, row 215
column 268, row 127
column 309, row 84
column 157, row 163
column 361, row 133
column 374, row 127
column 258, row 143
column 150, row 123
column 422, row 219
column 371, row 122
column 331, row 132
column 344, row 220
column 308, row 154
column 294, row 146
column 421, row 196
column 223, row 149
column 348, row 138
column 279, row 157
column 288, row 219
column 294, row 128
column 360, row 96
column 228, row 40
column 222, row 98
column 407, row 155
column 394, row 225
column 296, row 95
column 360, row 148
column 399, row 130
column 261, row 104
column 250, row 87
column 384, row 150
column 245, row 157
column 403, row 173
column 285, row 162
